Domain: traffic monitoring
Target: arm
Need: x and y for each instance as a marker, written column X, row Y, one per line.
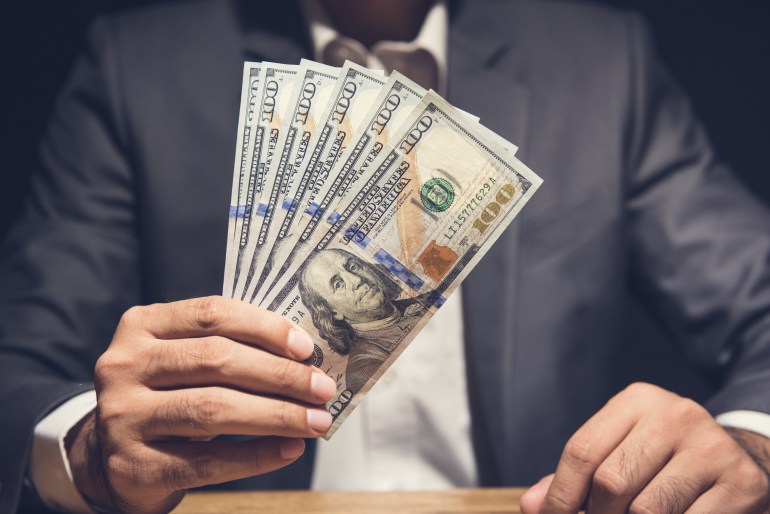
column 168, row 373
column 69, row 267
column 699, row 247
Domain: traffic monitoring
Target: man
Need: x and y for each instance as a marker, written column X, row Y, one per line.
column 356, row 310
column 127, row 207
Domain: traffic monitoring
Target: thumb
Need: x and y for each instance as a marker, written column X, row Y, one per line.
column 532, row 500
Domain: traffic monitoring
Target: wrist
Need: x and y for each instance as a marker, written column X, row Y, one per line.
column 755, row 445
column 85, row 459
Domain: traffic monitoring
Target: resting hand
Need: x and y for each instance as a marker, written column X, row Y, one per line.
column 651, row 451
column 176, row 375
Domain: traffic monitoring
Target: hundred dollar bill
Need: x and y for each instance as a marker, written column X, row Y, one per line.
column 376, row 278
column 355, row 91
column 280, row 83
column 252, row 75
column 262, row 142
column 396, row 100
column 399, row 96
column 308, row 103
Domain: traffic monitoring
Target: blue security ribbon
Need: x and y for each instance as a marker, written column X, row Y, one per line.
column 239, row 211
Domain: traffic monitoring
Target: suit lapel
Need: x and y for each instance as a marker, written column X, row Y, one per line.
column 476, row 85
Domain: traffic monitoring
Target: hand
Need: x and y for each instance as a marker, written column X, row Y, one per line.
column 651, row 451
column 178, row 374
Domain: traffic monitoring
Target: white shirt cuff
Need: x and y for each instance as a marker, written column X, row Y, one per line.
column 49, row 466
column 754, row 421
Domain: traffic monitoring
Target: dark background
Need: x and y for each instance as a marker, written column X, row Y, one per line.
column 719, row 51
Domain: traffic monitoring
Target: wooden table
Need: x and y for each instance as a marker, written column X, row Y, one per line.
column 458, row 500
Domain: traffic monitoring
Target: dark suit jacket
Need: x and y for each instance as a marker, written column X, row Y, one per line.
column 129, row 206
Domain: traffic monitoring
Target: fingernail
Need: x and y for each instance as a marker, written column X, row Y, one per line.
column 299, row 343
column 319, row 420
column 292, row 448
column 322, row 386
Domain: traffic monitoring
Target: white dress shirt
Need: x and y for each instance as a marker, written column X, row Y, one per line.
column 413, row 430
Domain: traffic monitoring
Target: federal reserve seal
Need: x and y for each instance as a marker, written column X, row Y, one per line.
column 437, row 194
column 317, row 358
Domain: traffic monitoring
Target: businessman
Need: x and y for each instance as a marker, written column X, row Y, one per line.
column 106, row 280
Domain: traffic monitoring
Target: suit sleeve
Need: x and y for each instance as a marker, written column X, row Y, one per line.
column 699, row 241
column 70, row 266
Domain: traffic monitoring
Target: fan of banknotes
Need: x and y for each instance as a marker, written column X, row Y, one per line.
column 359, row 204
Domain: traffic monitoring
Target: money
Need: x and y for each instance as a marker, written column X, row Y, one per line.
column 309, row 103
column 397, row 97
column 389, row 224
column 249, row 90
column 280, row 82
column 356, row 89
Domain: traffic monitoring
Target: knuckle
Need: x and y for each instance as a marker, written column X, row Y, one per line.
column 613, row 483
column 206, row 468
column 210, row 408
column 689, row 410
column 104, row 367
column 111, row 363
column 667, row 497
column 210, row 354
column 559, row 502
column 132, row 317
column 641, row 389
column 286, row 376
column 286, row 417
column 578, row 453
column 210, row 312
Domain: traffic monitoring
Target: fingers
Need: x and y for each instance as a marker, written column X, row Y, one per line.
column 215, row 315
column 218, row 361
column 628, row 469
column 583, row 454
column 209, row 411
column 675, row 488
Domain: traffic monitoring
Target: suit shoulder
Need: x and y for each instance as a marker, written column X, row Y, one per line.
column 167, row 15
column 567, row 14
column 578, row 25
column 169, row 30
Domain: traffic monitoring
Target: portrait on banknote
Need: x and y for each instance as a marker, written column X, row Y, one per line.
column 356, row 308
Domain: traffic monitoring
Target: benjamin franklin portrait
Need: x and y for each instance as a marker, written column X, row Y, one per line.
column 355, row 307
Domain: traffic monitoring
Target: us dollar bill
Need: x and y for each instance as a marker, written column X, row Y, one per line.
column 308, row 104
column 356, row 88
column 262, row 139
column 438, row 198
column 252, row 76
column 280, row 83
column 396, row 100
